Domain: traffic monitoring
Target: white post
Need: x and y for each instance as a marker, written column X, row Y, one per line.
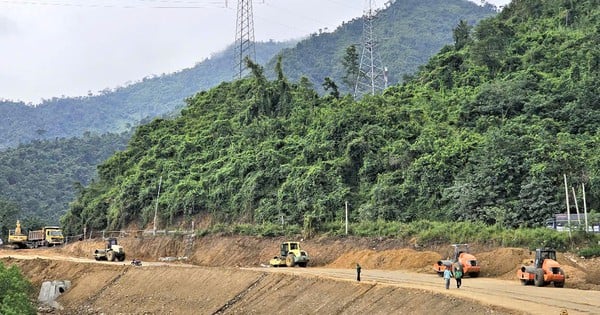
column 584, row 208
column 156, row 207
column 346, row 217
column 576, row 206
column 568, row 211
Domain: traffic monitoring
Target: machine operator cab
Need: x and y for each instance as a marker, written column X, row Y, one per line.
column 542, row 255
column 288, row 247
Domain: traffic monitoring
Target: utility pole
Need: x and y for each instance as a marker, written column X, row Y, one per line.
column 568, row 207
column 372, row 76
column 346, row 217
column 156, row 207
column 244, row 37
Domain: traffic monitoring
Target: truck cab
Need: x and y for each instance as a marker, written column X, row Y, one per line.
column 53, row 235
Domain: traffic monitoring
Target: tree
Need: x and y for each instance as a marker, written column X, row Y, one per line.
column 461, row 34
column 351, row 66
column 330, row 85
column 9, row 213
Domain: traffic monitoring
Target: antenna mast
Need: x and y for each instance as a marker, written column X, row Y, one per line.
column 244, row 37
column 372, row 76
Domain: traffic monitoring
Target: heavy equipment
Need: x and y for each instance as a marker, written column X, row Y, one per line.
column 16, row 237
column 542, row 270
column 47, row 236
column 290, row 255
column 112, row 252
column 462, row 258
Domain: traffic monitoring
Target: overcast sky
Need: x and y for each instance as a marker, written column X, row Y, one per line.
column 51, row 48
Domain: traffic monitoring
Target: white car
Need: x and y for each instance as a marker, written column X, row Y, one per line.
column 1, row 241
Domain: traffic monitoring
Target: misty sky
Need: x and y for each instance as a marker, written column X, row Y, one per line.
column 51, row 48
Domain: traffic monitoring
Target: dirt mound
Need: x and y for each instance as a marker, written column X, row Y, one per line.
column 503, row 262
column 399, row 259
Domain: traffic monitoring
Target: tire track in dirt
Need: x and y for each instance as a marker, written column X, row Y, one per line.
column 239, row 296
column 502, row 293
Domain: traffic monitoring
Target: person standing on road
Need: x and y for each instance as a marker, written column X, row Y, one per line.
column 358, row 272
column 458, row 273
column 447, row 276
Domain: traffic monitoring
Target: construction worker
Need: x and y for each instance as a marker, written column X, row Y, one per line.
column 358, row 272
column 458, row 273
column 447, row 276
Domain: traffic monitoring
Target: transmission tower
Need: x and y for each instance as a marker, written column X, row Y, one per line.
column 372, row 76
column 244, row 37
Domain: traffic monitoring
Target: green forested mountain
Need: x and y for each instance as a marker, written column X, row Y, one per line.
column 118, row 110
column 29, row 180
column 411, row 32
column 39, row 179
column 28, row 187
column 406, row 33
column 483, row 132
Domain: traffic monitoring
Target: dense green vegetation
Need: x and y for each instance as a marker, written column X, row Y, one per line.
column 118, row 110
column 424, row 233
column 30, row 180
column 39, row 179
column 484, row 132
column 407, row 34
column 15, row 291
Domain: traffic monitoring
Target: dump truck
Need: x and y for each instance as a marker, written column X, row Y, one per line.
column 543, row 270
column 47, row 236
column 112, row 252
column 461, row 258
column 290, row 255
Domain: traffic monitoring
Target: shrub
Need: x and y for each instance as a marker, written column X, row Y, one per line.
column 590, row 252
column 14, row 292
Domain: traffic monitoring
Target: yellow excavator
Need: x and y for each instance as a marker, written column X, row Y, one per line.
column 290, row 255
column 16, row 237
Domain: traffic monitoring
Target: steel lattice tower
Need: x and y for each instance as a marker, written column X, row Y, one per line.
column 372, row 76
column 244, row 36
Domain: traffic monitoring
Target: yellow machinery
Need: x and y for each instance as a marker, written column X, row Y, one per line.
column 112, row 252
column 290, row 256
column 16, row 237
column 47, row 236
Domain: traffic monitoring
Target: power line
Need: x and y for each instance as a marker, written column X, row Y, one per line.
column 372, row 76
column 244, row 36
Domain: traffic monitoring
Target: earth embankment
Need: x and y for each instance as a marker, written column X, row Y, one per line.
column 105, row 288
column 207, row 280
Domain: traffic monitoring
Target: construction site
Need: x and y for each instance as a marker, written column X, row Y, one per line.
column 232, row 275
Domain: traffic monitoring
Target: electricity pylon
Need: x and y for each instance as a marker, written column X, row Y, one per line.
column 372, row 76
column 244, row 37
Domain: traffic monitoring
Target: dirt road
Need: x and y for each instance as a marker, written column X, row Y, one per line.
column 396, row 279
column 506, row 294
column 503, row 295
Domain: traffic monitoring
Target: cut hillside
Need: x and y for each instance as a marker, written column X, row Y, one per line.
column 339, row 252
column 210, row 282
